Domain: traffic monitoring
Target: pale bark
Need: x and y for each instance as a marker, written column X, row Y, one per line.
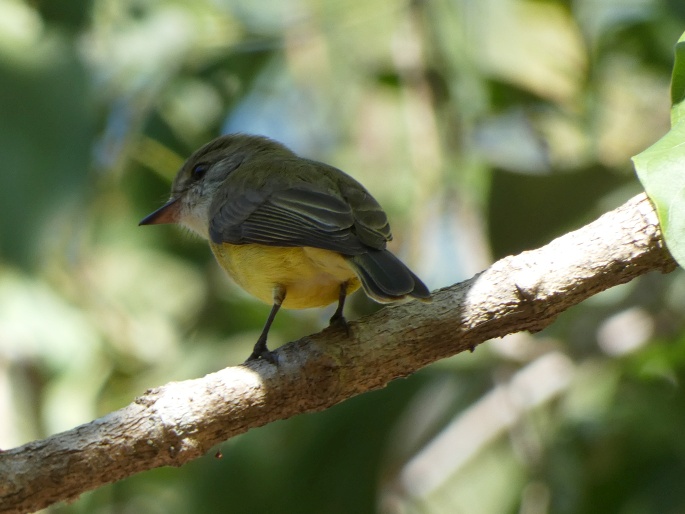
column 178, row 422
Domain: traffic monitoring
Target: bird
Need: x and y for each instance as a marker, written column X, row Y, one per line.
column 293, row 232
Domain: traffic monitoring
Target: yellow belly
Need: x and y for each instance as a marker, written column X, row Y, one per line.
column 311, row 276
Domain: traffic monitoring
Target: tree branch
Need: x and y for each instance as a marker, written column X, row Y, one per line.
column 178, row 422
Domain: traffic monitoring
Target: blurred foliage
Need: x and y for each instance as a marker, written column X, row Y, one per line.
column 484, row 128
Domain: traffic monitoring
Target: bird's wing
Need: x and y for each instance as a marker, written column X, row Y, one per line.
column 301, row 215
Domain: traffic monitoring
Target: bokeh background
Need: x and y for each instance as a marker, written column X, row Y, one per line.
column 483, row 127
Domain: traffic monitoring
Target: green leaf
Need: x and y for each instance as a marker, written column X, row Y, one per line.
column 661, row 167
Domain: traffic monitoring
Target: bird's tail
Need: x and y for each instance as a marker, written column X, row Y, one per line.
column 385, row 278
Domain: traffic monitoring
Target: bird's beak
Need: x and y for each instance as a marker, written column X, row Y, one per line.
column 167, row 213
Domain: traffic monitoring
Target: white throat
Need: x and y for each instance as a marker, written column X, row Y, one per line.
column 195, row 217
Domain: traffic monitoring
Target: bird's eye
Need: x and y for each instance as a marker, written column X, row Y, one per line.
column 199, row 170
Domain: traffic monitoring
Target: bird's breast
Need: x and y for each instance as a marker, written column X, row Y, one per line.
column 311, row 276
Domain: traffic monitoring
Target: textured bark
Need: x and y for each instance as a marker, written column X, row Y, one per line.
column 170, row 425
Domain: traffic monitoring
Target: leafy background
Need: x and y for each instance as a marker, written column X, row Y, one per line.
column 484, row 128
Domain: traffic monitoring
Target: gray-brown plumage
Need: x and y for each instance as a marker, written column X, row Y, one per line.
column 291, row 231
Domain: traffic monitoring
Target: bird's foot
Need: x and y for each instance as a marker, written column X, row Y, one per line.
column 261, row 351
column 338, row 320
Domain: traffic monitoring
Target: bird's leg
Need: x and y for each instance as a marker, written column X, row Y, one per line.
column 338, row 318
column 260, row 349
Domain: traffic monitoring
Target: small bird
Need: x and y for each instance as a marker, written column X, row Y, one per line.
column 293, row 232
